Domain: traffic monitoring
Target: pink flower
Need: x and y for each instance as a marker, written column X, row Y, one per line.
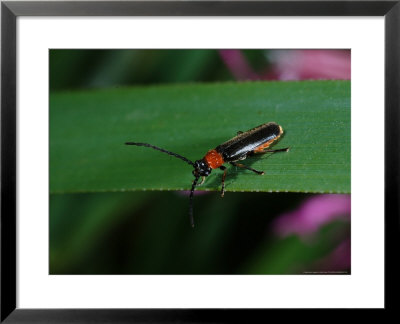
column 195, row 193
column 314, row 213
column 292, row 65
column 309, row 64
column 238, row 65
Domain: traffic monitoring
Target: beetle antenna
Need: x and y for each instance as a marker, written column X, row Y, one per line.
column 191, row 200
column 162, row 150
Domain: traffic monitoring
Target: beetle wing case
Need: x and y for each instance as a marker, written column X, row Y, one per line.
column 255, row 139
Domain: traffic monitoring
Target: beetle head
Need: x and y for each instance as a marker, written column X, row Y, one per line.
column 201, row 169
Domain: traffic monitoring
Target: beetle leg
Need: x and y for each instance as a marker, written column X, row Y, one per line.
column 246, row 167
column 202, row 180
column 223, row 180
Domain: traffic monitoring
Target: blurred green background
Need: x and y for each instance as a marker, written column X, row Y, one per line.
column 146, row 232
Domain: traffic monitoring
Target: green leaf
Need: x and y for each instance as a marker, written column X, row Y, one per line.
column 88, row 130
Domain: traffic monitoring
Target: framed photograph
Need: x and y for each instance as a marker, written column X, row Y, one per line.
column 189, row 161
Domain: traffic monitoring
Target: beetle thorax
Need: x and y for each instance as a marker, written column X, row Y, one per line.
column 214, row 159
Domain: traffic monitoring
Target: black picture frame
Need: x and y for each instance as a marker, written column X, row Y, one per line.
column 10, row 10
